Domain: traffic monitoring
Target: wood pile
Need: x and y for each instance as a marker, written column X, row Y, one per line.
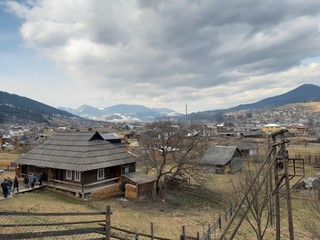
column 131, row 192
column 107, row 192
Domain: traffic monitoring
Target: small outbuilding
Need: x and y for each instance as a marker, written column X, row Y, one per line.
column 223, row 159
column 247, row 149
column 138, row 185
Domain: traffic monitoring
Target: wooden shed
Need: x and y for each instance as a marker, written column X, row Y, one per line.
column 222, row 159
column 79, row 162
column 247, row 148
column 138, row 185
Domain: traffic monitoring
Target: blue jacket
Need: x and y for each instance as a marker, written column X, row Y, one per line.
column 32, row 179
column 4, row 185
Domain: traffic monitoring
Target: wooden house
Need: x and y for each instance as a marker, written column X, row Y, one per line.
column 222, row 159
column 297, row 128
column 78, row 162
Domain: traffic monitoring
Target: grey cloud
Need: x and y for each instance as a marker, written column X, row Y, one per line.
column 165, row 45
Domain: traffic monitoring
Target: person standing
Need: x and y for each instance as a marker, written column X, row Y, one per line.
column 40, row 179
column 10, row 185
column 4, row 186
column 32, row 180
column 16, row 184
column 26, row 181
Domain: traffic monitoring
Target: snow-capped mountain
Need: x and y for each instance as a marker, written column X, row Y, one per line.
column 122, row 112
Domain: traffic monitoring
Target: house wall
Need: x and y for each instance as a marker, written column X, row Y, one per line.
column 147, row 190
column 92, row 176
column 270, row 128
column 235, row 164
column 128, row 168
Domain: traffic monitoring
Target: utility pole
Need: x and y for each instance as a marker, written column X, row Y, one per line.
column 276, row 191
column 270, row 179
column 287, row 184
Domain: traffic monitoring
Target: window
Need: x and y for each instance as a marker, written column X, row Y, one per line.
column 68, row 174
column 77, row 176
column 100, row 174
column 126, row 170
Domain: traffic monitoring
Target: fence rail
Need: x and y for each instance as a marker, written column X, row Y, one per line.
column 30, row 225
column 222, row 219
column 93, row 225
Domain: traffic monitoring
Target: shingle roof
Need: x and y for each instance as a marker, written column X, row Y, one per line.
column 139, row 177
column 77, row 151
column 219, row 155
column 245, row 145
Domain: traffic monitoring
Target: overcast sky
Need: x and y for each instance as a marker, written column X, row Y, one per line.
column 208, row 54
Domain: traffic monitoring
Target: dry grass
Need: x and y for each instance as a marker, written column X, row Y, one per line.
column 168, row 215
column 7, row 158
column 312, row 106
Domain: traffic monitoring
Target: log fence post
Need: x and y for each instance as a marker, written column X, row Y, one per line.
column 108, row 223
column 152, row 233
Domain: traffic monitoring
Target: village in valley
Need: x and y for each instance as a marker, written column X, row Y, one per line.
column 160, row 120
column 166, row 170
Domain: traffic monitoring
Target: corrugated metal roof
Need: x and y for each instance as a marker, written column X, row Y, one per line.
column 219, row 155
column 76, row 151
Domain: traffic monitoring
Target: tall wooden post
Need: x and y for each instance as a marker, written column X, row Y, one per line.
column 151, row 229
column 271, row 212
column 287, row 183
column 108, row 223
column 276, row 191
column 183, row 233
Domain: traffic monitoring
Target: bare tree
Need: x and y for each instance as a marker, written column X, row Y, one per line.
column 256, row 199
column 170, row 149
column 312, row 223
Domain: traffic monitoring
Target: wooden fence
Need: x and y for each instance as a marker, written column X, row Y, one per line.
column 29, row 225
column 218, row 225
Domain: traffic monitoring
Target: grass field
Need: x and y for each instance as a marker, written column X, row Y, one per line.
column 7, row 158
column 168, row 215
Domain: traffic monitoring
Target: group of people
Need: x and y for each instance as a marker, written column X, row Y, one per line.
column 9, row 187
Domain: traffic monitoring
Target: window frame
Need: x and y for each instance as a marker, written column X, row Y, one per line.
column 67, row 174
column 101, row 170
column 76, row 174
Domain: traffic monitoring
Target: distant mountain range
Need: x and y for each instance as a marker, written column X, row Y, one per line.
column 303, row 93
column 122, row 112
column 14, row 108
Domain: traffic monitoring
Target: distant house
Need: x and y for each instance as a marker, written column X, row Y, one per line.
column 225, row 133
column 270, row 128
column 116, row 141
column 16, row 132
column 78, row 162
column 297, row 128
column 223, row 159
column 251, row 134
column 24, row 140
column 247, row 148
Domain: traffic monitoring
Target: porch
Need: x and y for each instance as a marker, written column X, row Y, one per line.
column 84, row 189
